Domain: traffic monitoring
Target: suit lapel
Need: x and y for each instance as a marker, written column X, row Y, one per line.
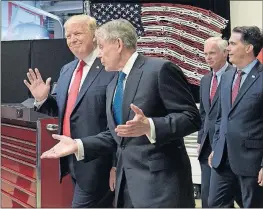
column 251, row 78
column 215, row 98
column 92, row 74
column 218, row 90
column 65, row 81
column 206, row 92
column 110, row 96
column 131, row 87
column 228, row 93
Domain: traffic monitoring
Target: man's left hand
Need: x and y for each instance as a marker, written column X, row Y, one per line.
column 260, row 177
column 66, row 146
column 112, row 180
column 138, row 126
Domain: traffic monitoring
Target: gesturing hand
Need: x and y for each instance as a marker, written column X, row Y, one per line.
column 36, row 85
column 66, row 146
column 138, row 126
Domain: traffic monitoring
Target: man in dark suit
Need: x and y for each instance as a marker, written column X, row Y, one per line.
column 216, row 57
column 80, row 106
column 237, row 156
column 149, row 111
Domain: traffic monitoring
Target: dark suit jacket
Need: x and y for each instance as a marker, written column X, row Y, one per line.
column 157, row 175
column 240, row 126
column 88, row 118
column 208, row 112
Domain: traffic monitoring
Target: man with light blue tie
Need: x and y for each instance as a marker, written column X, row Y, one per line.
column 149, row 110
column 117, row 103
column 237, row 150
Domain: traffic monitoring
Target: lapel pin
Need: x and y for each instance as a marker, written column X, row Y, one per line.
column 97, row 67
column 253, row 76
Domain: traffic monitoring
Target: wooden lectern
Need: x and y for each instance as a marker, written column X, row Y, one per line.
column 27, row 181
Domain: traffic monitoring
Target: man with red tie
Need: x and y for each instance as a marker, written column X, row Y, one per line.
column 216, row 57
column 79, row 103
column 237, row 149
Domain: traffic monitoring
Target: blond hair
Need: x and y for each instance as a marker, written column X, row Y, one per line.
column 88, row 21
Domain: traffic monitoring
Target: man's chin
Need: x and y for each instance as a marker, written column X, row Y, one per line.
column 109, row 69
column 78, row 55
column 211, row 66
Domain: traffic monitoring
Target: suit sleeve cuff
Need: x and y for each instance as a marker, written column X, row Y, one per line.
column 152, row 136
column 39, row 104
column 80, row 154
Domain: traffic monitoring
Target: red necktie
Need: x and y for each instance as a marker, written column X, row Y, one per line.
column 214, row 87
column 72, row 97
column 236, row 86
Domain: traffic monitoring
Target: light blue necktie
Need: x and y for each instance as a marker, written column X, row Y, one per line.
column 117, row 102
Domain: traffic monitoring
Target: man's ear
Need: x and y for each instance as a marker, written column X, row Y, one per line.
column 249, row 48
column 94, row 40
column 120, row 45
column 225, row 52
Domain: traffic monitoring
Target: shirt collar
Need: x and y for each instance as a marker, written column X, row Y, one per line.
column 249, row 67
column 221, row 70
column 128, row 66
column 91, row 57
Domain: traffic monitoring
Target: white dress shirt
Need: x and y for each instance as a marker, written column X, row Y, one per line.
column 246, row 70
column 127, row 69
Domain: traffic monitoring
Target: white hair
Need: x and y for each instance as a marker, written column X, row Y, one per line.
column 221, row 43
column 121, row 29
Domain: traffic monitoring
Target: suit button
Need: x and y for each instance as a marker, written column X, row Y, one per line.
column 229, row 118
column 122, row 146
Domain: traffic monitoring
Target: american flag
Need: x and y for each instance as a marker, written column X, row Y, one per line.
column 172, row 31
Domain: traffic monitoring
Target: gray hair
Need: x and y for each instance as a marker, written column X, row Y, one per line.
column 221, row 43
column 121, row 29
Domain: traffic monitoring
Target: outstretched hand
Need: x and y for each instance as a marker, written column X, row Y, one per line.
column 66, row 146
column 138, row 126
